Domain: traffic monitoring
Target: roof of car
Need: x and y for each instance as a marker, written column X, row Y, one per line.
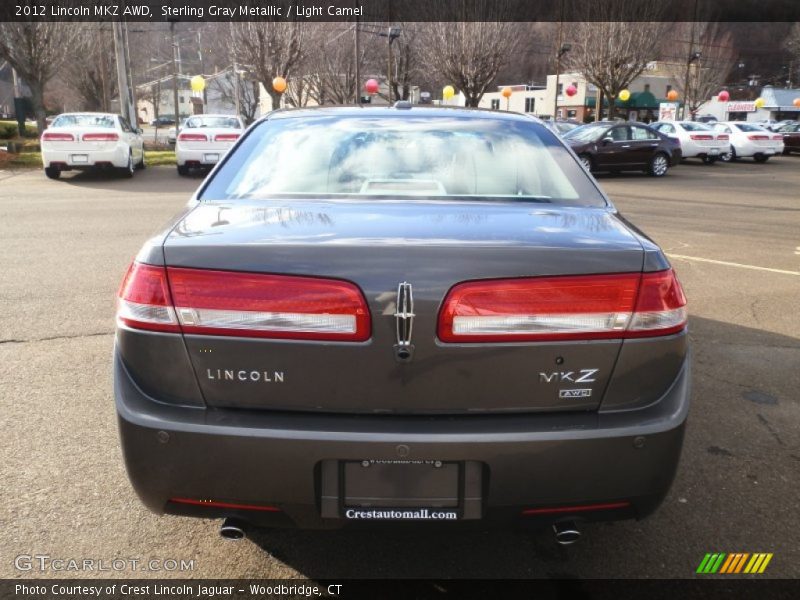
column 415, row 111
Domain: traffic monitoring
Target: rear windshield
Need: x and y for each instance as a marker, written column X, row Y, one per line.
column 586, row 133
column 689, row 126
column 388, row 156
column 107, row 121
column 215, row 122
column 746, row 127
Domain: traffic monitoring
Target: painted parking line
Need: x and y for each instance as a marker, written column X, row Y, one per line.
column 733, row 264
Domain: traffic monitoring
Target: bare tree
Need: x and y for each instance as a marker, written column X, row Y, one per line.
column 91, row 70
column 709, row 58
column 269, row 50
column 249, row 93
column 469, row 55
column 791, row 44
column 615, row 47
column 36, row 50
column 329, row 68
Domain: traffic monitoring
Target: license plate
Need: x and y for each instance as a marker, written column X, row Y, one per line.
column 714, row 151
column 80, row 158
column 210, row 158
column 769, row 151
column 401, row 491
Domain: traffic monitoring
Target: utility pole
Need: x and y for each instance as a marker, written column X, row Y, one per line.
column 175, row 67
column 202, row 66
column 236, row 97
column 358, row 64
column 126, row 106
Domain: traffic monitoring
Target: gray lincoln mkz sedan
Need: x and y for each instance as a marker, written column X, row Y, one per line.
column 401, row 314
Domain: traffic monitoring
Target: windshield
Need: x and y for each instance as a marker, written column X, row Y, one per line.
column 565, row 127
column 689, row 126
column 402, row 157
column 215, row 122
column 746, row 127
column 586, row 133
column 106, row 121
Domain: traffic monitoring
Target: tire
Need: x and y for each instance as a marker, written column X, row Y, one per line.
column 587, row 162
column 183, row 170
column 729, row 156
column 52, row 172
column 710, row 160
column 128, row 171
column 659, row 165
column 760, row 158
column 141, row 166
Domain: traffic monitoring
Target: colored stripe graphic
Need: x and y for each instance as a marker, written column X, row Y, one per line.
column 723, row 563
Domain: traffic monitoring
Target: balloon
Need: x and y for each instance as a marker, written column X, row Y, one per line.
column 198, row 83
column 279, row 84
column 759, row 103
column 506, row 92
column 624, row 95
column 448, row 92
column 723, row 96
column 371, row 86
column 796, row 102
column 571, row 90
column 672, row 95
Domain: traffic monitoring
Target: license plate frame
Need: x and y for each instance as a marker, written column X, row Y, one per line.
column 79, row 159
column 211, row 157
column 714, row 151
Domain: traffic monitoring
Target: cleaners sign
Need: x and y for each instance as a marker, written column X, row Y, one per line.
column 741, row 107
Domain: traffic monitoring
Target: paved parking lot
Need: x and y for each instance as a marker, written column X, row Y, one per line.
column 733, row 232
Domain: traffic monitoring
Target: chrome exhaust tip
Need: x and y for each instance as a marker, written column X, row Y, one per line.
column 232, row 529
column 566, row 532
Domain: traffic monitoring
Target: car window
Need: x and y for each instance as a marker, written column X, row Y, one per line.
column 620, row 134
column 724, row 128
column 586, row 133
column 689, row 126
column 642, row 133
column 105, row 121
column 125, row 125
column 215, row 122
column 404, row 156
column 748, row 127
column 666, row 128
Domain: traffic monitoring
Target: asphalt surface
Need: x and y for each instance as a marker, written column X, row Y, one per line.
column 64, row 246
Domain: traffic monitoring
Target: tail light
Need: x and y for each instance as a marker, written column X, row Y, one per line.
column 757, row 137
column 724, row 137
column 50, row 136
column 99, row 137
column 704, row 136
column 242, row 304
column 193, row 137
column 226, row 137
column 144, row 300
column 564, row 308
column 777, row 137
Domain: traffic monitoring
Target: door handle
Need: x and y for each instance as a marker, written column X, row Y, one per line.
column 626, row 145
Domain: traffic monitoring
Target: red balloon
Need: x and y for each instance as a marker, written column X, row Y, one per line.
column 571, row 90
column 371, row 86
column 724, row 96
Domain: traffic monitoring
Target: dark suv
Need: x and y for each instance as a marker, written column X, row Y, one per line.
column 609, row 146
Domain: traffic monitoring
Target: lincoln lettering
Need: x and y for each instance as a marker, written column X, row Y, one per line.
column 244, row 375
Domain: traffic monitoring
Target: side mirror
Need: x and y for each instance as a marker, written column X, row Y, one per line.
column 607, row 140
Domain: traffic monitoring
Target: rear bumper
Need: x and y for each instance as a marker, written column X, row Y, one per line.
column 277, row 459
column 116, row 156
column 200, row 156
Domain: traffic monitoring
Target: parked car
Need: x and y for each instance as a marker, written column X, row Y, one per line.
column 624, row 146
column 749, row 139
column 204, row 139
column 162, row 121
column 401, row 314
column 81, row 141
column 172, row 132
column 780, row 124
column 697, row 140
column 706, row 119
column 791, row 137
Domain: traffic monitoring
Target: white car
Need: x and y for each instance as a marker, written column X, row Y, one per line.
column 698, row 140
column 749, row 139
column 80, row 141
column 204, row 140
column 172, row 132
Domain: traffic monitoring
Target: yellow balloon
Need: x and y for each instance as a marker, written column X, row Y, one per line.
column 279, row 85
column 448, row 92
column 198, row 83
column 624, row 95
column 759, row 103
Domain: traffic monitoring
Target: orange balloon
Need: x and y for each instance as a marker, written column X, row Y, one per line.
column 796, row 102
column 672, row 95
column 279, row 85
column 506, row 92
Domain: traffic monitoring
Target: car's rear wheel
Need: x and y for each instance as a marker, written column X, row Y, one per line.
column 728, row 156
column 183, row 170
column 128, row 170
column 659, row 165
column 586, row 161
column 761, row 158
column 141, row 164
column 710, row 160
column 52, row 172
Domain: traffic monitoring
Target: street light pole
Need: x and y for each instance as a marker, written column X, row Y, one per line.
column 176, row 106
